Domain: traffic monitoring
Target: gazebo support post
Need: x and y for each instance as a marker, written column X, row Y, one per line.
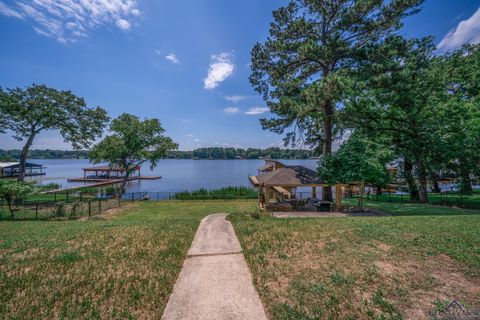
column 267, row 196
column 260, row 191
column 338, row 197
column 314, row 192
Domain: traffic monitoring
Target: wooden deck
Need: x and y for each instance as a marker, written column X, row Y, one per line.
column 112, row 181
column 100, row 182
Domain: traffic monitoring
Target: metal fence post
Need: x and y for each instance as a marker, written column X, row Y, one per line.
column 36, row 211
column 133, row 196
column 89, row 208
column 100, row 205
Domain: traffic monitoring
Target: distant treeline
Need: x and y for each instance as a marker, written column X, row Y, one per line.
column 46, row 154
column 202, row 153
column 233, row 153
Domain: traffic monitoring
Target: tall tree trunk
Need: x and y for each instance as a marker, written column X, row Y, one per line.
column 121, row 191
column 435, row 186
column 327, row 143
column 422, row 180
column 9, row 203
column 465, row 179
column 23, row 157
column 412, row 186
column 379, row 190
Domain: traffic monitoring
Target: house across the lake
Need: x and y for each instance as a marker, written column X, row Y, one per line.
column 11, row 169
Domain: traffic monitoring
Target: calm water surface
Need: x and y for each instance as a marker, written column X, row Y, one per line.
column 177, row 175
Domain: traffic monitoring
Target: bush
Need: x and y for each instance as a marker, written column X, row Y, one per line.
column 47, row 187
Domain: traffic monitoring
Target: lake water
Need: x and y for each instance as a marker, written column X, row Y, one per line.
column 177, row 175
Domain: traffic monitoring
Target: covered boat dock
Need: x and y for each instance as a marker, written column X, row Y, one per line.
column 11, row 169
column 106, row 175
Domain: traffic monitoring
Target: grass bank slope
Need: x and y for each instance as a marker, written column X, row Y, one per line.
column 123, row 267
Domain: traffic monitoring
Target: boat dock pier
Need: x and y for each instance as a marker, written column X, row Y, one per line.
column 112, row 181
column 101, row 176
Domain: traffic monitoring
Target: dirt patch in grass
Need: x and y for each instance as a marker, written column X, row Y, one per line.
column 369, row 268
column 384, row 247
column 112, row 213
column 385, row 267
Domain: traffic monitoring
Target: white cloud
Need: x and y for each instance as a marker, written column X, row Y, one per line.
column 123, row 24
column 221, row 67
column 172, row 57
column 231, row 110
column 235, row 99
column 467, row 31
column 9, row 12
column 68, row 20
column 196, row 140
column 189, row 135
column 257, row 110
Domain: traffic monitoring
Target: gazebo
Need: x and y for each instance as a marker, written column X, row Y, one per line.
column 278, row 183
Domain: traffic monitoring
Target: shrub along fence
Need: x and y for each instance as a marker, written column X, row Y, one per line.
column 228, row 193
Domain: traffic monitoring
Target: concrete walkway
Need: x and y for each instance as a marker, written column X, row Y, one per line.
column 215, row 282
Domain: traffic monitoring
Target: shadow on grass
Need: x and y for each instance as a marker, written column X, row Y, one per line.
column 418, row 209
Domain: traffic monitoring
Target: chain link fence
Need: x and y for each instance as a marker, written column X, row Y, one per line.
column 444, row 198
column 74, row 205
column 48, row 210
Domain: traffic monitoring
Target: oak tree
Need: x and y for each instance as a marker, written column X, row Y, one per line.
column 38, row 108
column 132, row 142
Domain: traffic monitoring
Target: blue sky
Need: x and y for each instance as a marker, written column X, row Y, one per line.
column 184, row 62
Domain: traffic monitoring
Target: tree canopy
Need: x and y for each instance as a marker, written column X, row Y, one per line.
column 425, row 105
column 37, row 108
column 359, row 159
column 132, row 142
column 302, row 69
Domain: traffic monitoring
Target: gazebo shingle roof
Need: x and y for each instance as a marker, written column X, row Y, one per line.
column 293, row 176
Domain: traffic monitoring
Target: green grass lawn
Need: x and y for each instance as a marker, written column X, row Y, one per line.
column 123, row 267
column 364, row 268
